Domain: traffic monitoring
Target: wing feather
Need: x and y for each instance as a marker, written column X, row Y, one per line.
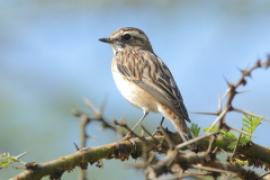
column 151, row 74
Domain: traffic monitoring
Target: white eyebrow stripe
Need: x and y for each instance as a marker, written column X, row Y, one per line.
column 133, row 33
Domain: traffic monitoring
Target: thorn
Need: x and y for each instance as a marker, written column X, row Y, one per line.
column 20, row 155
column 258, row 63
column 88, row 103
column 240, row 131
column 242, row 92
column 227, row 81
column 248, row 113
column 76, row 112
column 240, row 69
column 230, row 85
column 212, row 169
column 206, row 113
column 218, row 119
column 103, row 105
column 267, row 63
column 191, row 141
column 76, row 146
column 219, row 103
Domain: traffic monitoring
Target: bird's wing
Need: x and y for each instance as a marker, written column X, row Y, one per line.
column 151, row 74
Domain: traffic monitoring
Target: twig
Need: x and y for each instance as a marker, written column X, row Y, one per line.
column 184, row 144
column 205, row 168
column 265, row 175
column 251, row 114
column 83, row 140
column 167, row 138
column 125, row 126
column 149, row 134
column 236, row 146
column 20, row 155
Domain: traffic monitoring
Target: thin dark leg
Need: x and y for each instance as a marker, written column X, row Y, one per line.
column 162, row 120
column 140, row 120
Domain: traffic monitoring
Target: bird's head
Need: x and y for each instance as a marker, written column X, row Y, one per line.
column 128, row 37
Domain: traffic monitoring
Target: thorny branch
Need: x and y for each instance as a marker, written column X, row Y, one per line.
column 135, row 148
column 163, row 153
column 84, row 121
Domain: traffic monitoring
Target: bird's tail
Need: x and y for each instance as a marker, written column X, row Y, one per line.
column 180, row 125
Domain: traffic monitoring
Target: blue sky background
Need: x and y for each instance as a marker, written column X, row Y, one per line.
column 50, row 59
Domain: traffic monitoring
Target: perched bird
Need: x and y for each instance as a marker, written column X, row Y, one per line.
column 144, row 79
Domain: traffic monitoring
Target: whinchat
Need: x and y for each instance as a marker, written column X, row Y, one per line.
column 144, row 79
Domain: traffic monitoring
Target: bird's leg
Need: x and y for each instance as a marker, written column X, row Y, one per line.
column 160, row 125
column 140, row 120
column 162, row 120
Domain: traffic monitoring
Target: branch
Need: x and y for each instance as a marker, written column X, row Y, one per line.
column 125, row 148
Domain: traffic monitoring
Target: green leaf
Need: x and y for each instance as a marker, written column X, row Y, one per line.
column 229, row 136
column 210, row 129
column 249, row 124
column 6, row 160
column 195, row 129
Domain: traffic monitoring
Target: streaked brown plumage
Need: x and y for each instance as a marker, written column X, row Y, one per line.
column 144, row 80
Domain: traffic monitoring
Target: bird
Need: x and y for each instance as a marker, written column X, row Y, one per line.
column 145, row 80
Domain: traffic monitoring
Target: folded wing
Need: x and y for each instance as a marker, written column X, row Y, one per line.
column 151, row 74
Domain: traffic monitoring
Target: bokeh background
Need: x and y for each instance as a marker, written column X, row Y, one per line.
column 50, row 59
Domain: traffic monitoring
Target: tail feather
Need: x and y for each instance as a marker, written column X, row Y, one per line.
column 179, row 124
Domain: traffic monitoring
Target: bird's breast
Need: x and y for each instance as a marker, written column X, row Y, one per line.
column 133, row 93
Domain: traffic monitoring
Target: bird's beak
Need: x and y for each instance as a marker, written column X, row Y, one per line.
column 105, row 40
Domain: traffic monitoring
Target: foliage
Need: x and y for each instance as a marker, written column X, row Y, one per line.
column 6, row 160
column 226, row 134
column 249, row 124
column 195, row 129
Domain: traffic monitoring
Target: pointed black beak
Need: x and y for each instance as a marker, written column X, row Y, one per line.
column 105, row 40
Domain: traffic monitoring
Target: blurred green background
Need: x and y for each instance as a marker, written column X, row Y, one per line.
column 50, row 59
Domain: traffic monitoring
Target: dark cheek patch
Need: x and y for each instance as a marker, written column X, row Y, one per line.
column 138, row 40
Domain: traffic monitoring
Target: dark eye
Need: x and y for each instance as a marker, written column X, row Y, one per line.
column 126, row 37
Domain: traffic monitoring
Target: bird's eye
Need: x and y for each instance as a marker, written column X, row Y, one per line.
column 126, row 37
